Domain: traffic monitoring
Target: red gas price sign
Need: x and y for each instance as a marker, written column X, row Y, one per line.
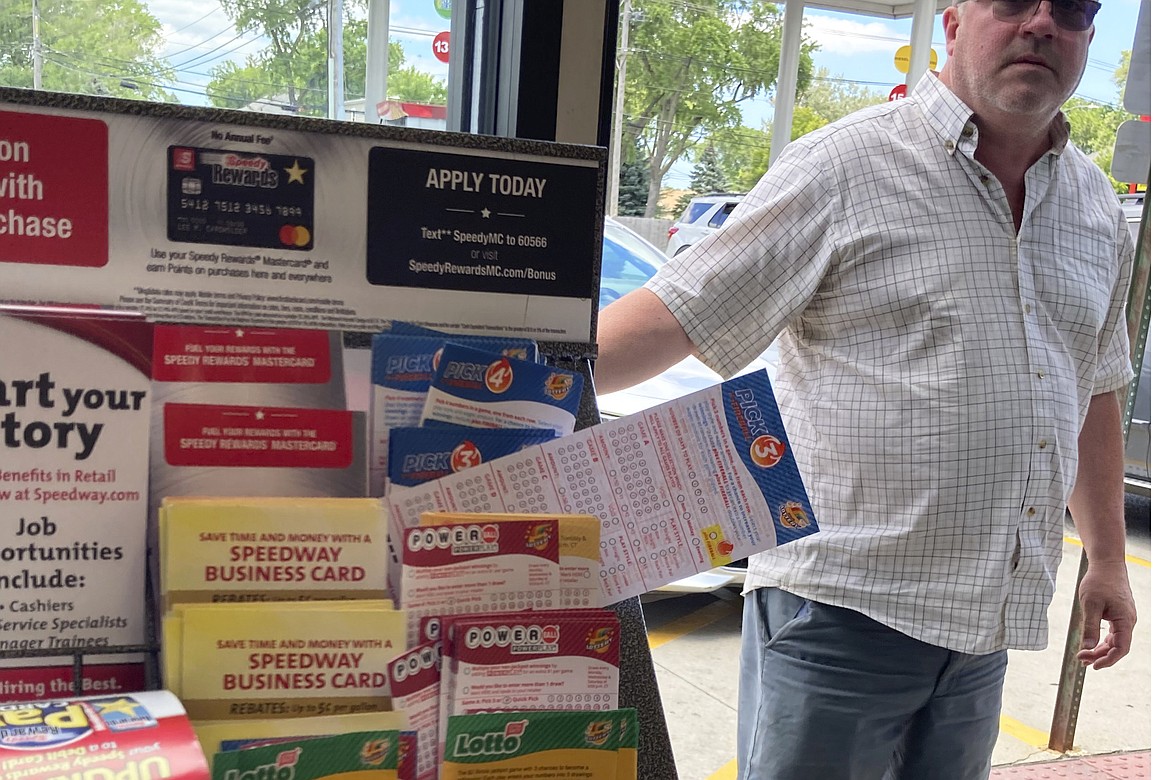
column 441, row 46
column 898, row 92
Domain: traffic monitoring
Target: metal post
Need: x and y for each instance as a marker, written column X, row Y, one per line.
column 615, row 145
column 377, row 48
column 1072, row 673
column 37, row 57
column 921, row 32
column 335, row 21
column 786, row 78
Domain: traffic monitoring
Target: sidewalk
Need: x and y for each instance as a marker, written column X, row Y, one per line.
column 1111, row 766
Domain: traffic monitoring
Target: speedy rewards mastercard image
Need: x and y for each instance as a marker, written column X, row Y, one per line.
column 137, row 736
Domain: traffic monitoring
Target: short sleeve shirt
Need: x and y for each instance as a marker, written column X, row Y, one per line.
column 936, row 364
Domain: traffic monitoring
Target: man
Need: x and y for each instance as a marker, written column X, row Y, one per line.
column 947, row 278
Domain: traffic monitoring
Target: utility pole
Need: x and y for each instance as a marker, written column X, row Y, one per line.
column 615, row 146
column 38, row 62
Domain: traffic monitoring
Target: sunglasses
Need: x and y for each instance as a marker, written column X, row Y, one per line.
column 1072, row 15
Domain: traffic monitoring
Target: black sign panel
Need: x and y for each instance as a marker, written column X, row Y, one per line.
column 215, row 196
column 481, row 224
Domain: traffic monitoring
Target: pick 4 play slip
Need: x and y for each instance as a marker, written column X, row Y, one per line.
column 480, row 389
column 131, row 735
column 364, row 755
column 402, row 362
column 540, row 745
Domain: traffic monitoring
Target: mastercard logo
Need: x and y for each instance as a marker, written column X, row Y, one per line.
column 295, row 235
column 766, row 451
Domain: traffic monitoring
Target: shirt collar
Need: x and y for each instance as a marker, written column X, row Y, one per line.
column 951, row 118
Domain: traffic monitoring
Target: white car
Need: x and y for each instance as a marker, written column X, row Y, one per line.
column 704, row 215
column 627, row 261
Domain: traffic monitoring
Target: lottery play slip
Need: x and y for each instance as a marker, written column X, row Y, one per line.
column 679, row 488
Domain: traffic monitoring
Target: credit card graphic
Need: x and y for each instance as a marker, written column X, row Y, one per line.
column 218, row 196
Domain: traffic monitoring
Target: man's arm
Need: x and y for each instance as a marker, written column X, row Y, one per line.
column 637, row 338
column 1098, row 510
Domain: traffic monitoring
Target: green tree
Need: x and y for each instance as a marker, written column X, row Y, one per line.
column 690, row 67
column 633, row 184
column 294, row 68
column 1093, row 126
column 831, row 97
column 708, row 175
column 105, row 47
column 745, row 152
column 415, row 86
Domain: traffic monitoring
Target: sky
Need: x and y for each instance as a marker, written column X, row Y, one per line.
column 852, row 47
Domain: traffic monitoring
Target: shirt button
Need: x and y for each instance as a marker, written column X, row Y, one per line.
column 1043, row 443
column 1039, row 374
column 949, row 145
column 1031, row 511
column 985, row 179
column 1027, row 308
column 968, row 131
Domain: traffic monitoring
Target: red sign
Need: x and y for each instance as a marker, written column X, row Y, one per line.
column 243, row 436
column 191, row 353
column 54, row 191
column 898, row 92
column 441, row 46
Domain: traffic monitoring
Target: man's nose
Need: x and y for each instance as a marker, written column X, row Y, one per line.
column 1041, row 22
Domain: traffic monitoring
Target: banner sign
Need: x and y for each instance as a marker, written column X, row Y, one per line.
column 205, row 216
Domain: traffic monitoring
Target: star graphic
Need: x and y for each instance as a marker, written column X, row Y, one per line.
column 259, row 414
column 486, row 213
column 239, row 333
column 296, row 173
column 123, row 706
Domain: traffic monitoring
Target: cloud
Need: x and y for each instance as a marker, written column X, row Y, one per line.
column 847, row 37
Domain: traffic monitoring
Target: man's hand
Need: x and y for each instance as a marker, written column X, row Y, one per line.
column 1105, row 596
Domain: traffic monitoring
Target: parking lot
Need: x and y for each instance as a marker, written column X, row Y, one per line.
column 694, row 642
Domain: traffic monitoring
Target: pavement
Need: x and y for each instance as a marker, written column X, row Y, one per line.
column 694, row 643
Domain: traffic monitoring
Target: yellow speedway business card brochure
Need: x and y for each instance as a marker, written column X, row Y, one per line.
column 680, row 488
column 478, row 567
column 217, row 736
column 579, row 543
column 534, row 745
column 290, row 659
column 272, row 549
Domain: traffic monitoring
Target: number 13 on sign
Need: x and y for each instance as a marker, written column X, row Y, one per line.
column 441, row 46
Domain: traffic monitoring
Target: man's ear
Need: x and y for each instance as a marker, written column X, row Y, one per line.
column 951, row 26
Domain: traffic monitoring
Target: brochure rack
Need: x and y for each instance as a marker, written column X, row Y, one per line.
column 144, row 236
